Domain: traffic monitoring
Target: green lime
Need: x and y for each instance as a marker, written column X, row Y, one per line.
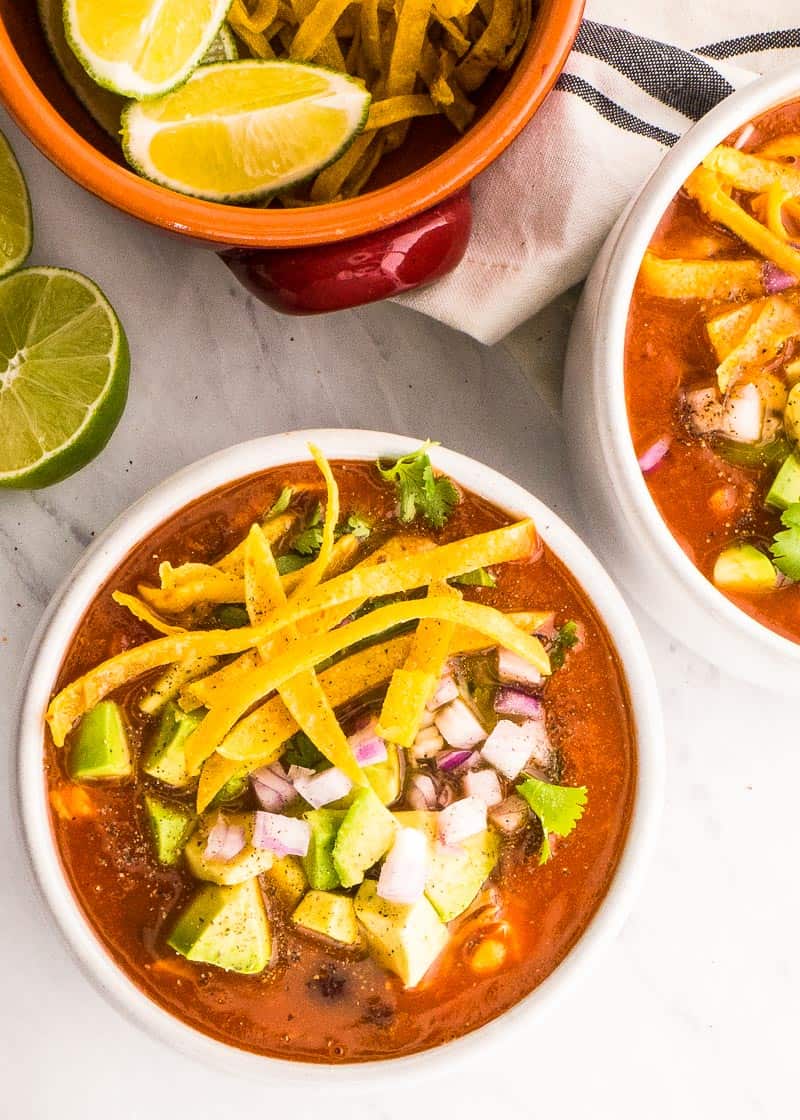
column 104, row 106
column 64, row 366
column 16, row 220
column 239, row 131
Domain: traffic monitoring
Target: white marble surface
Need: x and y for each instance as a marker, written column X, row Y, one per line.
column 694, row 1011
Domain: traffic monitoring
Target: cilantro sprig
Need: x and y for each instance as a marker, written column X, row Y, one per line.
column 559, row 808
column 566, row 637
column 785, row 548
column 480, row 577
column 281, row 503
column 420, row 492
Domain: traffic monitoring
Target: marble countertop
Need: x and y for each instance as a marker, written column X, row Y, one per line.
column 693, row 1012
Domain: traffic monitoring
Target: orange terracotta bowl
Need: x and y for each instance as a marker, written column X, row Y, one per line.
column 410, row 228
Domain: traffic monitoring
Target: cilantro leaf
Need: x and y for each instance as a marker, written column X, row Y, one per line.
column 291, row 562
column 300, row 751
column 420, row 492
column 559, row 808
column 281, row 503
column 566, row 637
column 785, row 548
column 357, row 525
column 309, row 540
column 481, row 577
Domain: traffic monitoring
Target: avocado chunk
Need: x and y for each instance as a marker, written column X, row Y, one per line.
column 743, row 567
column 246, row 865
column 385, row 777
column 785, row 490
column 332, row 915
column 405, row 940
column 366, row 834
column 170, row 827
column 289, row 879
column 100, row 748
column 318, row 861
column 455, row 877
column 227, row 927
column 165, row 760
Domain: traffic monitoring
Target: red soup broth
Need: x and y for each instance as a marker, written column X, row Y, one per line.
column 316, row 1002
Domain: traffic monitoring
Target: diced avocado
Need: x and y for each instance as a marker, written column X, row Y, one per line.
column 289, row 879
column 330, row 914
column 366, row 834
column 785, row 490
column 404, row 939
column 165, row 760
column 249, row 862
column 233, row 789
column 318, row 862
column 455, row 877
column 100, row 747
column 227, row 927
column 170, row 827
column 384, row 777
column 743, row 567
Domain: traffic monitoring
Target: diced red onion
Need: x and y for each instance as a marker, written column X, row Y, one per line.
column 775, row 279
column 273, row 790
column 459, row 726
column 650, row 458
column 485, row 785
column 452, row 760
column 541, row 750
column 446, row 690
column 225, row 841
column 422, row 792
column 285, row 836
column 367, row 745
column 428, row 743
column 325, row 787
column 510, row 745
column 515, row 669
column 405, row 869
column 743, row 414
column 511, row 815
column 300, row 772
column 515, row 702
column 461, row 820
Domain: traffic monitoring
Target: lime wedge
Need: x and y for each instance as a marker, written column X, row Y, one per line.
column 63, row 375
column 102, row 105
column 142, row 48
column 16, row 220
column 242, row 130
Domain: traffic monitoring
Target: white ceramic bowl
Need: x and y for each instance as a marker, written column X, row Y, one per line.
column 65, row 614
column 622, row 520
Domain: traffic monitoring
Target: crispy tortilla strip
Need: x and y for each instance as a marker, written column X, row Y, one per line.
column 674, row 278
column 490, row 48
column 256, row 735
column 264, row 12
column 727, row 330
column 303, row 695
column 316, row 27
column 201, row 693
column 218, row 771
column 394, row 109
column 454, row 9
column 750, row 173
column 313, row 574
column 406, row 56
column 762, row 342
column 330, row 53
column 704, row 185
column 305, row 654
column 328, row 184
column 170, row 683
column 782, row 147
column 275, row 528
column 512, row 542
column 141, row 611
column 412, row 686
column 370, row 33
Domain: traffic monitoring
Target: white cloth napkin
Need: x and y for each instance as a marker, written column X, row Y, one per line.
column 640, row 74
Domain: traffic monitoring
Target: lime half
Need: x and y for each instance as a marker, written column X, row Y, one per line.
column 64, row 366
column 142, row 48
column 16, row 221
column 102, row 105
column 239, row 131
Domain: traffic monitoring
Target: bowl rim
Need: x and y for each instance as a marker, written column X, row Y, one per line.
column 552, row 36
column 628, row 244
column 64, row 614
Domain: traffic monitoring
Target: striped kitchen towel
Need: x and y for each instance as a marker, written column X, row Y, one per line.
column 634, row 82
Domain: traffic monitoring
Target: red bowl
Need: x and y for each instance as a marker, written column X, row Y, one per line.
column 411, row 228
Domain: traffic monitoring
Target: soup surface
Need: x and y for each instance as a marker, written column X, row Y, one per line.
column 526, row 882
column 711, row 368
